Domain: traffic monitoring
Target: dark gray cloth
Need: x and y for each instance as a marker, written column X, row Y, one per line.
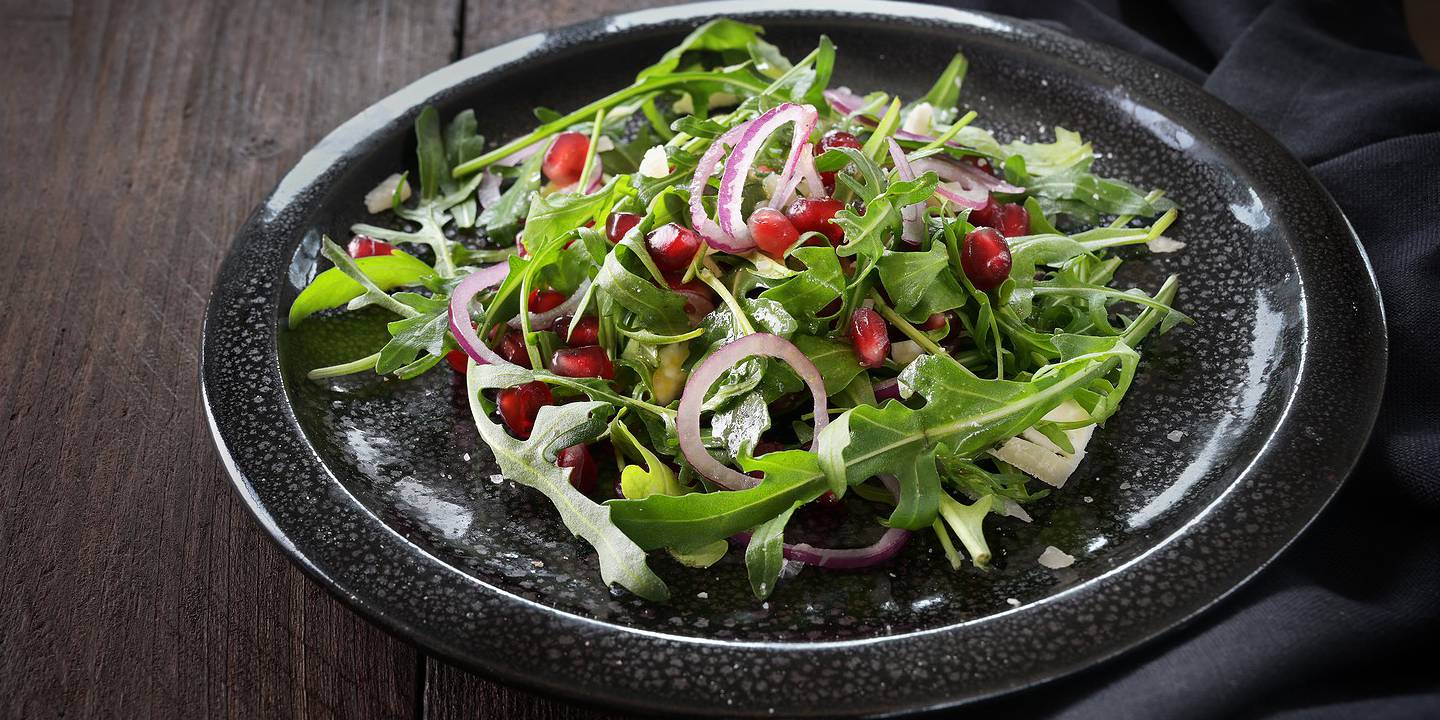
column 1346, row 624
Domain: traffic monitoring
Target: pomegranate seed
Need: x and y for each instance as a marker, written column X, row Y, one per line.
column 512, row 347
column 565, row 159
column 870, row 335
column 772, row 231
column 1014, row 220
column 587, row 331
column 831, row 140
column 520, row 404
column 366, row 246
column 814, row 215
column 583, row 476
column 457, row 360
column 543, row 300
column 934, row 322
column 699, row 298
column 672, row 246
column 583, row 362
column 620, row 223
column 988, row 216
column 985, row 258
column 828, row 499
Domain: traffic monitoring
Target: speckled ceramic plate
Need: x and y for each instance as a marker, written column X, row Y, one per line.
column 1239, row 431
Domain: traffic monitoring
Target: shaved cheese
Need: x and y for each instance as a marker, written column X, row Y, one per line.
column 1164, row 244
column 686, row 106
column 654, row 164
column 1039, row 457
column 1055, row 558
column 919, row 120
column 378, row 200
column 904, row 352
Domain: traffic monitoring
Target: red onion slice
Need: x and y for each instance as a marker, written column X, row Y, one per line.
column 687, row 423
column 544, row 320
column 523, row 153
column 704, row 170
column 912, row 226
column 843, row 100
column 737, row 167
column 460, row 325
column 877, row 552
column 964, row 173
column 888, row 389
column 489, row 191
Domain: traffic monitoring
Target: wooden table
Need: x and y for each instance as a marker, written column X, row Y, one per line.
column 134, row 139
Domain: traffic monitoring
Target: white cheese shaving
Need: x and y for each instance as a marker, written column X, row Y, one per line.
column 654, row 164
column 378, row 200
column 1038, row 456
column 919, row 120
column 1164, row 244
column 1054, row 558
column 905, row 352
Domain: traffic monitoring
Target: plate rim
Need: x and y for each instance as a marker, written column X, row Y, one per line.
column 349, row 139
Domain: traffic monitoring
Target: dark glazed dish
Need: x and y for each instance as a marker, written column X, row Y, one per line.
column 1237, row 433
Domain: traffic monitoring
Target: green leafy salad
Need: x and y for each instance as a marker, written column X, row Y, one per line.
column 692, row 307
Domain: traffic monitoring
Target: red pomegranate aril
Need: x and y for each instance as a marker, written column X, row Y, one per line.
column 831, row 140
column 1014, row 220
column 699, row 298
column 512, row 348
column 988, row 216
column 828, row 499
column 583, row 362
column 565, row 158
column 870, row 335
column 815, row 215
column 934, row 322
column 520, row 404
column 584, row 471
column 587, row 331
column 366, row 246
column 672, row 246
column 457, row 360
column 772, row 232
column 985, row 257
column 620, row 223
column 545, row 300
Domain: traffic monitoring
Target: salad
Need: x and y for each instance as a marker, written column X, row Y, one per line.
column 732, row 291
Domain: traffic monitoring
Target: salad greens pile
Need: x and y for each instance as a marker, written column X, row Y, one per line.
column 733, row 291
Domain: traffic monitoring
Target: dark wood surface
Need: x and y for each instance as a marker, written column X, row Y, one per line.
column 134, row 139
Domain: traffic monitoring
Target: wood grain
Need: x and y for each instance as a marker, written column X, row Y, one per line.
column 135, row 138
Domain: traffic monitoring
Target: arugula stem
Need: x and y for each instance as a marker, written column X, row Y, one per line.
column 1147, row 319
column 656, row 120
column 742, row 323
column 349, row 368
column 584, row 181
column 1122, row 220
column 949, row 133
column 611, row 100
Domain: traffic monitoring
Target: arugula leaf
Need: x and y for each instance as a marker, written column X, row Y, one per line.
column 962, row 413
column 333, row 288
column 1043, row 159
column 945, row 93
column 693, row 520
column 808, row 292
column 431, row 153
column 911, row 278
column 514, row 202
column 462, row 144
column 410, row 336
column 655, row 478
column 835, row 360
column 719, row 35
column 532, row 463
column 656, row 310
column 765, row 555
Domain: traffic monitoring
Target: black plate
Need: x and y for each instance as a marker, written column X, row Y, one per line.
column 1240, row 430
